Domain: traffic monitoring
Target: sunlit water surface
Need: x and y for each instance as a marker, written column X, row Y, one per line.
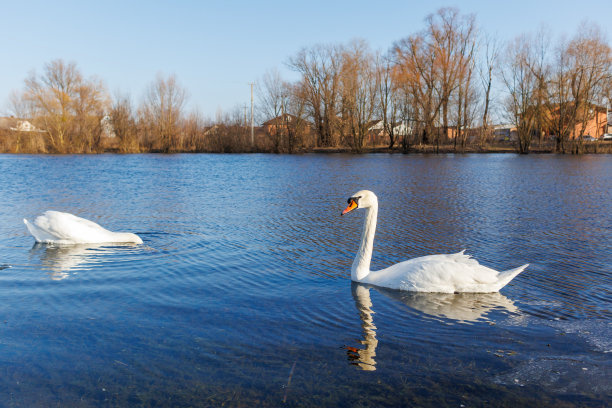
column 241, row 293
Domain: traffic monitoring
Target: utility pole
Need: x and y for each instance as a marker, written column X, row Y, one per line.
column 252, row 130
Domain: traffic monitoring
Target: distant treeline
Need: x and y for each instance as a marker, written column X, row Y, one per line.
column 434, row 89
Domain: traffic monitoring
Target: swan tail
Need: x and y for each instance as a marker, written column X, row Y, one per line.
column 506, row 276
column 31, row 228
column 38, row 234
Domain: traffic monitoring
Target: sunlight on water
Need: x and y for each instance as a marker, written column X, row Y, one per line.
column 241, row 292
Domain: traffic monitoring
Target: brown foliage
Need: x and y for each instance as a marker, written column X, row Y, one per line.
column 67, row 107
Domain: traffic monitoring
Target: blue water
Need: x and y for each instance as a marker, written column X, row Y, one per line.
column 241, row 292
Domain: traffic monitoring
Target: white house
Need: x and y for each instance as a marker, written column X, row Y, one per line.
column 17, row 125
column 400, row 128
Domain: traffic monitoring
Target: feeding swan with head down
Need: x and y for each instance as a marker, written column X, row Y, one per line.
column 54, row 227
column 444, row 273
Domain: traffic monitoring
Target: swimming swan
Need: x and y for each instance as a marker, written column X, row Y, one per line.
column 451, row 273
column 54, row 227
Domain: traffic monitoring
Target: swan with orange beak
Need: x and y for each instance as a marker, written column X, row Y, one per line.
column 443, row 273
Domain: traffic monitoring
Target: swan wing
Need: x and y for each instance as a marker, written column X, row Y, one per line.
column 445, row 273
column 60, row 227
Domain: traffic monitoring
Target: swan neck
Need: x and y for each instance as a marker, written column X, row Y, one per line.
column 361, row 264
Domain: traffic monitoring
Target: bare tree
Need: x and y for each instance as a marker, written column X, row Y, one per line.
column 521, row 81
column 18, row 105
column 389, row 99
column 90, row 106
column 162, row 112
column 50, row 97
column 592, row 58
column 193, row 133
column 452, row 39
column 359, row 81
column 467, row 105
column 489, row 60
column 68, row 107
column 581, row 73
column 295, row 118
column 320, row 69
column 418, row 73
column 273, row 100
column 124, row 125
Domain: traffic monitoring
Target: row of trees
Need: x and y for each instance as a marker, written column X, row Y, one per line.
column 556, row 90
column 74, row 114
column 444, row 85
column 447, row 84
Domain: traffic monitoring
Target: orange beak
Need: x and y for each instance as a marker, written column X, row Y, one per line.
column 352, row 205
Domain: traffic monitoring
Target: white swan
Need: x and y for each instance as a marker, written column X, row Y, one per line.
column 54, row 227
column 451, row 273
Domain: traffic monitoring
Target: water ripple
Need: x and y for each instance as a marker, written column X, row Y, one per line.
column 245, row 269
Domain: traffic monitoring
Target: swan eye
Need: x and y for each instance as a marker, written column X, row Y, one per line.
column 353, row 199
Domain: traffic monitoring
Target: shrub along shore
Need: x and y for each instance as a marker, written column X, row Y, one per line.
column 15, row 142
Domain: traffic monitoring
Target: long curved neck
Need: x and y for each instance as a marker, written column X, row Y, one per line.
column 361, row 264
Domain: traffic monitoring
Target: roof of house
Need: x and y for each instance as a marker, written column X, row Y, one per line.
column 275, row 120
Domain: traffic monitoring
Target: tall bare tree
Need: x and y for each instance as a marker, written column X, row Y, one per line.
column 522, row 82
column 90, row 106
column 320, row 69
column 273, row 99
column 489, row 60
column 359, row 81
column 418, row 74
column 295, row 118
column 389, row 98
column 452, row 38
column 162, row 112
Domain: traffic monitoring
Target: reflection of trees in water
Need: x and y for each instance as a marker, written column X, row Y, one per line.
column 461, row 307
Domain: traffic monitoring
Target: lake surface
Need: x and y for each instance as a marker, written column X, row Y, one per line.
column 241, row 292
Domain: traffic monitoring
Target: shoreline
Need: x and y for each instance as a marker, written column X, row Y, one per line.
column 590, row 148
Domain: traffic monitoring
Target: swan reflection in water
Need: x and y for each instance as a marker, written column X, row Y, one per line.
column 460, row 307
column 364, row 357
column 63, row 260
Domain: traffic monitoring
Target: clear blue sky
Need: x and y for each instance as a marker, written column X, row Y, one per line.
column 217, row 48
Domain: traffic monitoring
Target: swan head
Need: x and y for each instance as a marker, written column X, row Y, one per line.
column 361, row 199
